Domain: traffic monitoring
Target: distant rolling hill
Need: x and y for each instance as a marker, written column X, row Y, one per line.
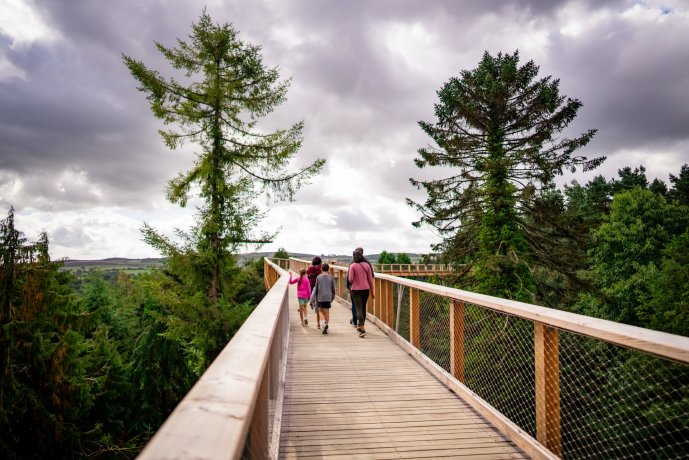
column 114, row 263
column 141, row 264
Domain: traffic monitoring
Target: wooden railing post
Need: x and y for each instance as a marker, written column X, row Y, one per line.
column 414, row 317
column 377, row 300
column 380, row 300
column 546, row 353
column 340, row 283
column 457, row 339
column 389, row 303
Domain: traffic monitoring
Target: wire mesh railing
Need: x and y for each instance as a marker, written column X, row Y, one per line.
column 558, row 384
column 235, row 409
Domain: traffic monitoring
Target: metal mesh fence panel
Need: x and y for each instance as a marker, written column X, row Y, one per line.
column 499, row 363
column 435, row 328
column 621, row 403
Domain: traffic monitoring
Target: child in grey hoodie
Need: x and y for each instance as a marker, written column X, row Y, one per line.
column 324, row 294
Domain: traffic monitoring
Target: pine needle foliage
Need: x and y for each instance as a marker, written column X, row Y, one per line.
column 226, row 90
column 497, row 131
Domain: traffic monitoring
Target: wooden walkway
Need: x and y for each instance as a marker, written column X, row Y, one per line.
column 348, row 397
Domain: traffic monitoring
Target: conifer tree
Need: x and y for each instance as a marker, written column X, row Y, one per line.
column 227, row 90
column 386, row 257
column 629, row 179
column 43, row 390
column 680, row 186
column 403, row 258
column 497, row 127
column 281, row 253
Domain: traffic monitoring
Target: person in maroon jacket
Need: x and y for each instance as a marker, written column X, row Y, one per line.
column 312, row 273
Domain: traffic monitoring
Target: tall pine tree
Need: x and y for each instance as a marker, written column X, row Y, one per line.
column 497, row 127
column 228, row 90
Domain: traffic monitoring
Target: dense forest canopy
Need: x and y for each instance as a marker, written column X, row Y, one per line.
column 91, row 366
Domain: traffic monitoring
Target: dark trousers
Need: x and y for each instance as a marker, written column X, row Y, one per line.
column 360, row 298
column 353, row 309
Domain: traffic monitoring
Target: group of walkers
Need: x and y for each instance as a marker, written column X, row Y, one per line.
column 315, row 286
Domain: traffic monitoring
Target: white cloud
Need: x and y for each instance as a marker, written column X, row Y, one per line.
column 576, row 19
column 413, row 43
column 101, row 232
column 23, row 23
column 494, row 32
column 650, row 11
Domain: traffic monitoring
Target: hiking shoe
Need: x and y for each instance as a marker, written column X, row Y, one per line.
column 361, row 331
column 325, row 329
column 306, row 322
column 319, row 326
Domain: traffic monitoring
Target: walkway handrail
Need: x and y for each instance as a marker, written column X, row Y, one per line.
column 235, row 409
column 421, row 269
column 658, row 343
column 563, row 371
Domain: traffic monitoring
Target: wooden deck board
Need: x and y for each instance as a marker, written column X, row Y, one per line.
column 347, row 397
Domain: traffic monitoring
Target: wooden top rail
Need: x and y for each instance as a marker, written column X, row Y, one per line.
column 662, row 344
column 212, row 421
column 421, row 268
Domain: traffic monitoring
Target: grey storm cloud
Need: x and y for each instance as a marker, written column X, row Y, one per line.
column 76, row 113
column 350, row 220
column 72, row 238
column 635, row 88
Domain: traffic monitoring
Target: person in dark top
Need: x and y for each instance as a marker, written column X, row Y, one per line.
column 312, row 273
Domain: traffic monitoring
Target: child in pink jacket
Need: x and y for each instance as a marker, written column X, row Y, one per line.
column 303, row 293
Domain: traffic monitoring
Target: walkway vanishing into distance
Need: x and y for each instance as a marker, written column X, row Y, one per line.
column 441, row 373
column 348, row 397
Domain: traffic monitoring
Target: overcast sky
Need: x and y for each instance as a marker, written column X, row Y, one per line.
column 80, row 156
